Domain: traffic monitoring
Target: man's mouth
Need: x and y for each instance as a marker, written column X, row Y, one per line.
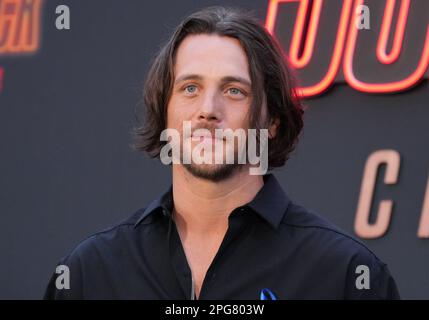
column 201, row 138
column 206, row 138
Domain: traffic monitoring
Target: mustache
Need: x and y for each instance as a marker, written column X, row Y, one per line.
column 210, row 127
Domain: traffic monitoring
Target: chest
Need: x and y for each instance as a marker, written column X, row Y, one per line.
column 200, row 254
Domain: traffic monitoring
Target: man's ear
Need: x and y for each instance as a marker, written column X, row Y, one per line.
column 272, row 130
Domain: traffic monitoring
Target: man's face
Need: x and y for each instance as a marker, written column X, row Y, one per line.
column 212, row 90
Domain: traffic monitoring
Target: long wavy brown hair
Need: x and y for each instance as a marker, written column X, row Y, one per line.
column 273, row 83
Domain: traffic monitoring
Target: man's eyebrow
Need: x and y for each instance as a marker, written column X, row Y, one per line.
column 236, row 79
column 225, row 79
column 188, row 77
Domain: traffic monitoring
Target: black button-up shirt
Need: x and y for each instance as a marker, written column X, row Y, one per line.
column 272, row 248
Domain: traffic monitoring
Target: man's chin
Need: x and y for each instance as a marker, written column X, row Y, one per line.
column 212, row 172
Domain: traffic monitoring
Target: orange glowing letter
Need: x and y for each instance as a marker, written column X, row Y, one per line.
column 19, row 26
column 393, row 86
column 424, row 220
column 362, row 226
column 300, row 62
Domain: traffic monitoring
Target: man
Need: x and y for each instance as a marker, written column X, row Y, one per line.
column 221, row 231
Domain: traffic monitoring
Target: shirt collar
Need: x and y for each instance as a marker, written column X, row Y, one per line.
column 270, row 202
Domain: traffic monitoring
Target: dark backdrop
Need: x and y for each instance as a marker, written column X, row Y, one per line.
column 67, row 170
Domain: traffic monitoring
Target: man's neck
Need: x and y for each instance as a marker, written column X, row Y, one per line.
column 202, row 206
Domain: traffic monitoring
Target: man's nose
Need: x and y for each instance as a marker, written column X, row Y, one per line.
column 211, row 108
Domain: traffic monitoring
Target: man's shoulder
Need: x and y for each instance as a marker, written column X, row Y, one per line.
column 104, row 250
column 110, row 239
column 334, row 250
column 318, row 233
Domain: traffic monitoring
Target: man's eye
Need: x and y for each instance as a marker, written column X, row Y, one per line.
column 235, row 91
column 191, row 89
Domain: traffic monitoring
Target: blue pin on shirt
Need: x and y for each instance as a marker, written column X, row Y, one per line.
column 266, row 294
